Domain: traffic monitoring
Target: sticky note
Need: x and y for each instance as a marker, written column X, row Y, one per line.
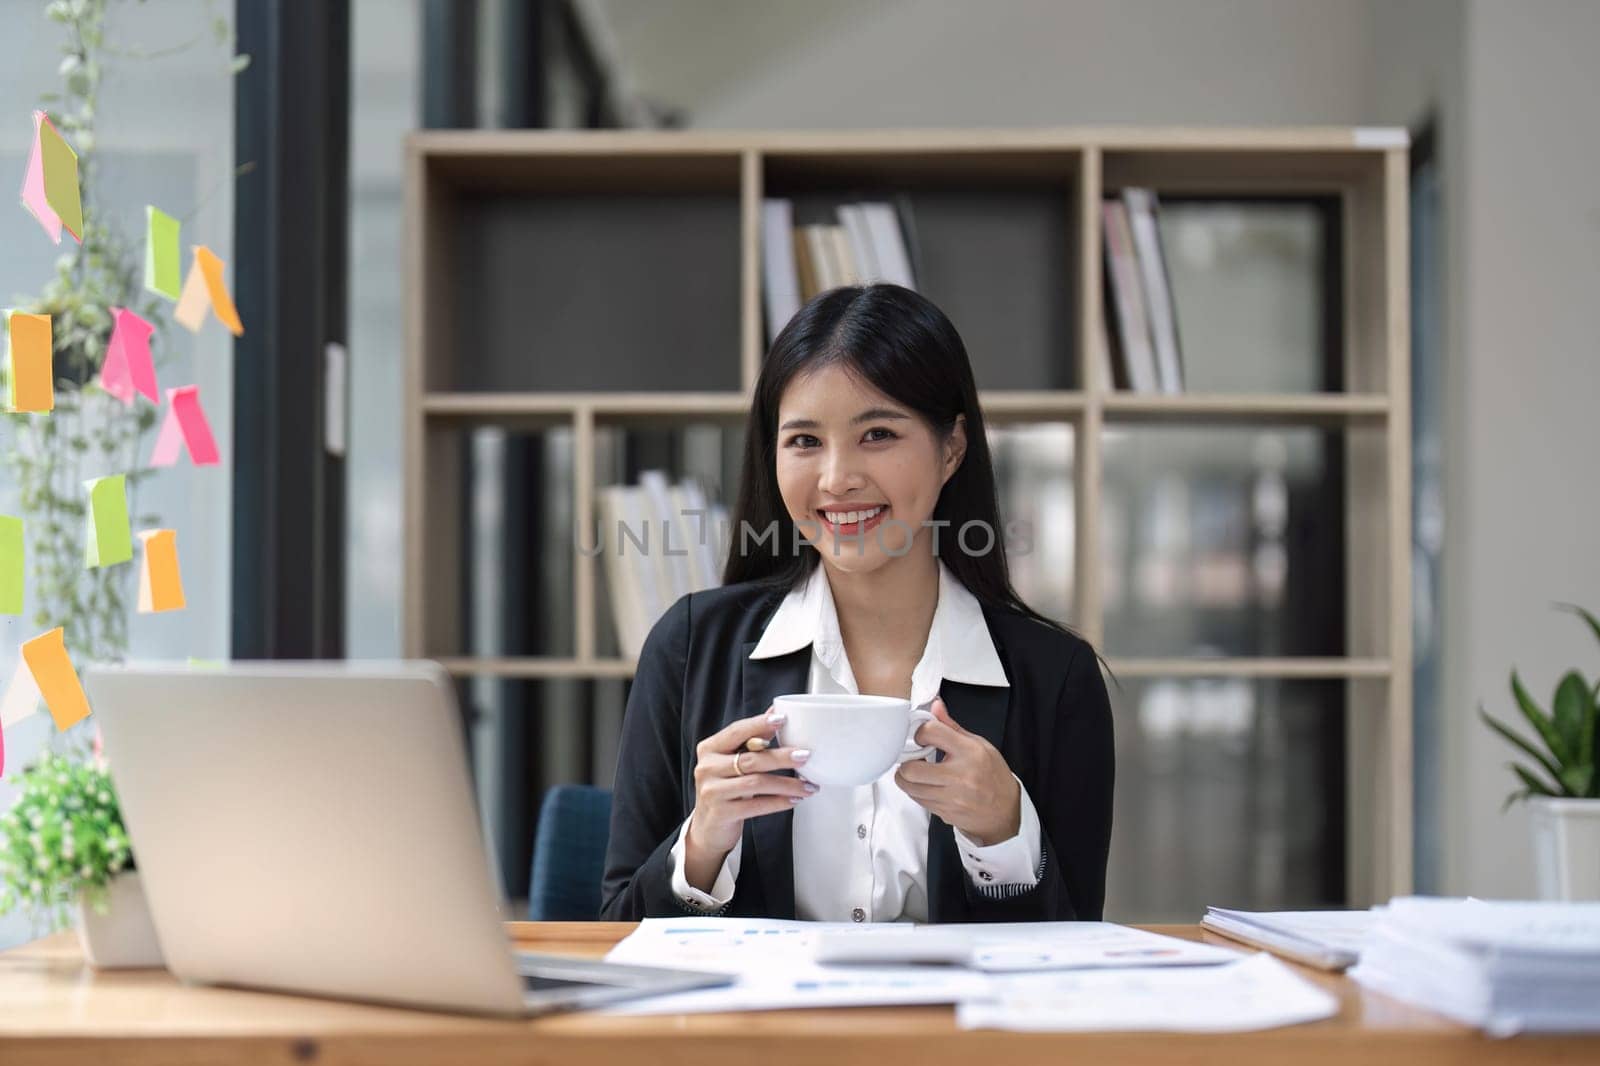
column 60, row 178
column 20, row 701
column 52, row 670
column 31, row 386
column 160, row 586
column 21, row 698
column 33, row 197
column 162, row 270
column 186, row 427
column 129, row 367
column 221, row 302
column 194, row 301
column 110, row 540
column 11, row 565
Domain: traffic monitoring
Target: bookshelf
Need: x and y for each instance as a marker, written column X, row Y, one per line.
column 513, row 278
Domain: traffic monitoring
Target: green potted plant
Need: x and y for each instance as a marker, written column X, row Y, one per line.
column 63, row 847
column 1562, row 785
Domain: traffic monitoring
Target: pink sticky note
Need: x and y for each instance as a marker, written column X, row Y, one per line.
column 186, row 426
column 33, row 196
column 169, row 442
column 128, row 367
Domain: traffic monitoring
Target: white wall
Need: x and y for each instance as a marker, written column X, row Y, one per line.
column 1524, row 513
column 1003, row 62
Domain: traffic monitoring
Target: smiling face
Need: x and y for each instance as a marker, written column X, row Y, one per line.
column 851, row 459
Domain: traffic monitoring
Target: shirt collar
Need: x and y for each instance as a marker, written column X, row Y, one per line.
column 807, row 616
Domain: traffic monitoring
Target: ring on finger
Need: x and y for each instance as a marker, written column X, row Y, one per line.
column 737, row 769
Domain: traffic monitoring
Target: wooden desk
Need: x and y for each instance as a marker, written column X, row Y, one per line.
column 54, row 1009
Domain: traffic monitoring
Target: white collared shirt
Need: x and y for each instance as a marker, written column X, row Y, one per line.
column 862, row 853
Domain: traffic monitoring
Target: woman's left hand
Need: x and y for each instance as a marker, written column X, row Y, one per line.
column 972, row 788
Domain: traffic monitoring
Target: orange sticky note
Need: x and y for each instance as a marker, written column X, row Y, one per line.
column 221, row 302
column 46, row 656
column 160, row 586
column 31, row 385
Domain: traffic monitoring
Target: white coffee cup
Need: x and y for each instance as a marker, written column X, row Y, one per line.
column 853, row 739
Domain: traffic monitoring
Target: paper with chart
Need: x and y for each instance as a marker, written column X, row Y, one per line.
column 772, row 960
column 1258, row 992
column 1009, row 947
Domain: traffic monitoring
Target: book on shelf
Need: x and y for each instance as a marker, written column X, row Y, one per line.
column 1146, row 355
column 779, row 274
column 820, row 252
column 862, row 243
column 844, row 257
column 860, row 238
column 891, row 241
column 1142, row 206
column 1133, row 358
column 659, row 542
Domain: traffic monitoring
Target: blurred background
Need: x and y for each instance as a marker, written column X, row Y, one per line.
column 1225, row 541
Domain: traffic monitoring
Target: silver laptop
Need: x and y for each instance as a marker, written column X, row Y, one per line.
column 311, row 828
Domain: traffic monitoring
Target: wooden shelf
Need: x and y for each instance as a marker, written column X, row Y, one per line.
column 1309, row 669
column 571, row 261
column 1243, row 407
column 998, row 405
column 1023, row 406
column 494, row 406
column 537, row 667
column 1267, row 669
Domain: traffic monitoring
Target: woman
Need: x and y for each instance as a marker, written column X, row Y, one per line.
column 866, row 456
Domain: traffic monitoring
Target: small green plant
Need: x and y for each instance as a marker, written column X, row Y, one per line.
column 1569, row 735
column 64, row 838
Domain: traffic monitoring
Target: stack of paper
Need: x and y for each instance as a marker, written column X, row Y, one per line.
column 1328, row 940
column 1505, row 967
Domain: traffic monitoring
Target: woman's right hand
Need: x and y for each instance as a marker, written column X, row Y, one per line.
column 724, row 797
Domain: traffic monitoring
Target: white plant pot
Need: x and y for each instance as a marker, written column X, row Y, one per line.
column 123, row 937
column 1566, row 847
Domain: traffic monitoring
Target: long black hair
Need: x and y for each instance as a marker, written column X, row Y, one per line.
column 902, row 345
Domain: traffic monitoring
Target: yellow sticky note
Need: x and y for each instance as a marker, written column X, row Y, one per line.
column 52, row 671
column 160, row 586
column 194, row 301
column 161, row 267
column 61, row 179
column 221, row 302
column 110, row 539
column 31, row 385
column 11, row 565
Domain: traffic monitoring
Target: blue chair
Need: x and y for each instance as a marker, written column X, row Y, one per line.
column 569, row 854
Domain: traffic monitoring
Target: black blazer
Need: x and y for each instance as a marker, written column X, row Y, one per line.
column 695, row 675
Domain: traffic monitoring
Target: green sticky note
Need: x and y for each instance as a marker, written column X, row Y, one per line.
column 110, row 536
column 11, row 569
column 61, row 179
column 161, row 271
